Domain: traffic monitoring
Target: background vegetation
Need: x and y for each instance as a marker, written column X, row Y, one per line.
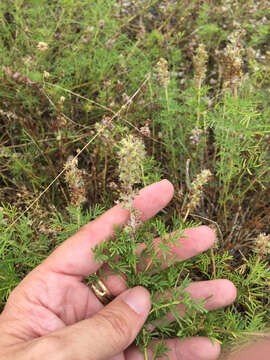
column 191, row 79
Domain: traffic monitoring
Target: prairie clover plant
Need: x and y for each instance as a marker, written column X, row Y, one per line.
column 75, row 181
column 232, row 62
column 135, row 255
column 199, row 63
column 262, row 245
column 196, row 189
column 207, row 101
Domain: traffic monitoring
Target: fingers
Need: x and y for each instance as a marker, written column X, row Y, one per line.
column 199, row 348
column 258, row 350
column 196, row 348
column 222, row 292
column 196, row 240
column 219, row 292
column 74, row 256
column 116, row 284
column 108, row 332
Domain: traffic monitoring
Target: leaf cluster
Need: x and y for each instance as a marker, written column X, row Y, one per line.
column 98, row 55
column 147, row 260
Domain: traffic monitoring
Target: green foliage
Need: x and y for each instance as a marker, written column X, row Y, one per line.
column 69, row 66
column 143, row 267
column 31, row 241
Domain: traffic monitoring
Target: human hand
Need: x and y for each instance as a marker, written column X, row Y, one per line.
column 52, row 314
column 258, row 350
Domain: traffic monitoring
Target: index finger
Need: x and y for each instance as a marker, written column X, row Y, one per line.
column 75, row 257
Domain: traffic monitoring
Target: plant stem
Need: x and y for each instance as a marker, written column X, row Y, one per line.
column 187, row 213
column 170, row 128
column 164, row 306
column 213, row 263
column 198, row 104
column 145, row 353
column 254, row 267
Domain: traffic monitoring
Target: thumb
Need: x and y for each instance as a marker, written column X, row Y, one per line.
column 108, row 332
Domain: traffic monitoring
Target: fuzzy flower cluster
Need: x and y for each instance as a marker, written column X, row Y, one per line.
column 196, row 189
column 74, row 177
column 195, row 137
column 145, row 130
column 131, row 154
column 42, row 46
column 162, row 72
column 232, row 62
column 262, row 245
column 105, row 129
column 199, row 62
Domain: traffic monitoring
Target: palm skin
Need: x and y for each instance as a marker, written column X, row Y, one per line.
column 53, row 295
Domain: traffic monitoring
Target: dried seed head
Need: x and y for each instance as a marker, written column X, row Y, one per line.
column 28, row 60
column 46, row 74
column 262, row 245
column 89, row 29
column 195, row 137
column 125, row 97
column 162, row 72
column 74, row 177
column 110, row 43
column 199, row 63
column 101, row 23
column 231, row 62
column 145, row 130
column 197, row 188
column 131, row 154
column 105, row 129
column 42, row 46
column 251, row 53
column 113, row 186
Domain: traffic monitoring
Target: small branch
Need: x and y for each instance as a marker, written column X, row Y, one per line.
column 164, row 306
column 213, row 263
column 187, row 174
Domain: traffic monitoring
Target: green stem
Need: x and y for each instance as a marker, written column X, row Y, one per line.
column 145, row 353
column 170, row 128
column 145, row 343
column 254, row 268
column 198, row 104
column 167, row 98
column 164, row 306
column 187, row 213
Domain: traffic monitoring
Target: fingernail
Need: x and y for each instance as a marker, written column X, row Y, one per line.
column 138, row 299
